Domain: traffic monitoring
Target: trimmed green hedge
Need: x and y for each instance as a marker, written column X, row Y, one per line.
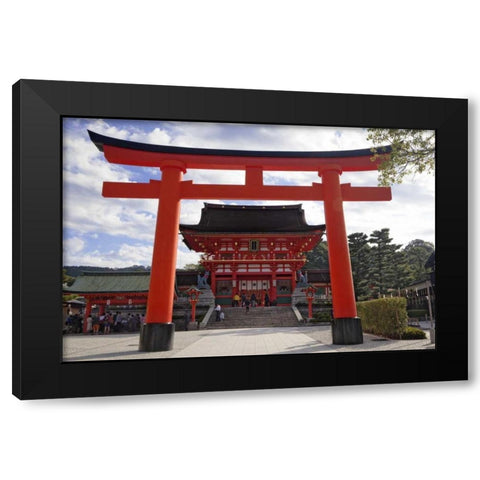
column 386, row 316
column 412, row 333
column 321, row 317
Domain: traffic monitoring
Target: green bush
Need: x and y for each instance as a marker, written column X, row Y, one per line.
column 412, row 333
column 321, row 317
column 386, row 316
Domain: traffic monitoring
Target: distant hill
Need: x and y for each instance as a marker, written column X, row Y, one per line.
column 75, row 271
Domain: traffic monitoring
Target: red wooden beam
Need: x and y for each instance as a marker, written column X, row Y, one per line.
column 252, row 191
column 132, row 190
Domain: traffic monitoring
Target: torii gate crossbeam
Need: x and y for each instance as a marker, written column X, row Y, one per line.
column 158, row 330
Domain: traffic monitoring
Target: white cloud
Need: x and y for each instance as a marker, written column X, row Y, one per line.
column 158, row 137
column 185, row 257
column 73, row 245
column 136, row 254
column 104, row 128
column 85, row 210
column 126, row 255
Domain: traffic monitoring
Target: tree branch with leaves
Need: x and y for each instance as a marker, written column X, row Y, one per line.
column 413, row 151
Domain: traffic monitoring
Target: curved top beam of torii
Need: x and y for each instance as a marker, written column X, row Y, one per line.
column 148, row 155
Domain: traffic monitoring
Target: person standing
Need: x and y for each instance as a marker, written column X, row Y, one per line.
column 236, row 300
column 95, row 325
column 187, row 315
column 106, row 324
column 267, row 299
column 218, row 310
column 89, row 324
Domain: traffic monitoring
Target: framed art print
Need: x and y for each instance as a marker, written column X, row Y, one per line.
column 172, row 239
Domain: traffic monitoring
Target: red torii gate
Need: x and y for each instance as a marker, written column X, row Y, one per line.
column 158, row 331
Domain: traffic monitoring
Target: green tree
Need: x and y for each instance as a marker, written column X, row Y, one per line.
column 413, row 151
column 385, row 264
column 194, row 267
column 417, row 253
column 403, row 271
column 67, row 279
column 317, row 258
column 360, row 253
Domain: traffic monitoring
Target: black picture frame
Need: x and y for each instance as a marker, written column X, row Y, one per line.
column 38, row 109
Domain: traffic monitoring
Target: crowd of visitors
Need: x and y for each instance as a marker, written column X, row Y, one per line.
column 244, row 300
column 118, row 322
column 106, row 323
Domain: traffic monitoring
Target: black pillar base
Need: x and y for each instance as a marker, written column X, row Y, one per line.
column 347, row 331
column 156, row 337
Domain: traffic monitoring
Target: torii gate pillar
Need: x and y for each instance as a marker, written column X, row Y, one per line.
column 158, row 330
column 346, row 326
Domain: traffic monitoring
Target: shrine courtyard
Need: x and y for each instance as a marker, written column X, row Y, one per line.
column 229, row 342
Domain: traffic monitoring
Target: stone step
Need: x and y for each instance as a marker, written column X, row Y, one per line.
column 236, row 317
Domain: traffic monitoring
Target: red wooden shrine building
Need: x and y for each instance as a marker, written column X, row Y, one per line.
column 108, row 291
column 252, row 249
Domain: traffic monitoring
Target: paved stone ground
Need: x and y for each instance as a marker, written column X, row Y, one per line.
column 243, row 341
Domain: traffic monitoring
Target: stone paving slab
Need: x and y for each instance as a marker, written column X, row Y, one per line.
column 231, row 342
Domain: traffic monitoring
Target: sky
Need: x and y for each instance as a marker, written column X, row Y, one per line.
column 113, row 232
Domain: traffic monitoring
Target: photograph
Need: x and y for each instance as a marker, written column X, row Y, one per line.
column 208, row 239
column 265, row 246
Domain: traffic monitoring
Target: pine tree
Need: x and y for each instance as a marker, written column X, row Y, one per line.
column 403, row 271
column 385, row 265
column 360, row 252
column 317, row 258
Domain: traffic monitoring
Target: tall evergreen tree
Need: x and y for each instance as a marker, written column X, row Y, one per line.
column 317, row 258
column 379, row 267
column 384, row 266
column 403, row 271
column 360, row 252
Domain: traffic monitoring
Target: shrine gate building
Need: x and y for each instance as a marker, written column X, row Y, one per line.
column 252, row 249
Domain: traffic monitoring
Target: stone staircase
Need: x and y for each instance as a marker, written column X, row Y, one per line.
column 235, row 317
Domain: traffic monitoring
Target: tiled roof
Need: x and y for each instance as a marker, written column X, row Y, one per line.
column 252, row 219
column 112, row 282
